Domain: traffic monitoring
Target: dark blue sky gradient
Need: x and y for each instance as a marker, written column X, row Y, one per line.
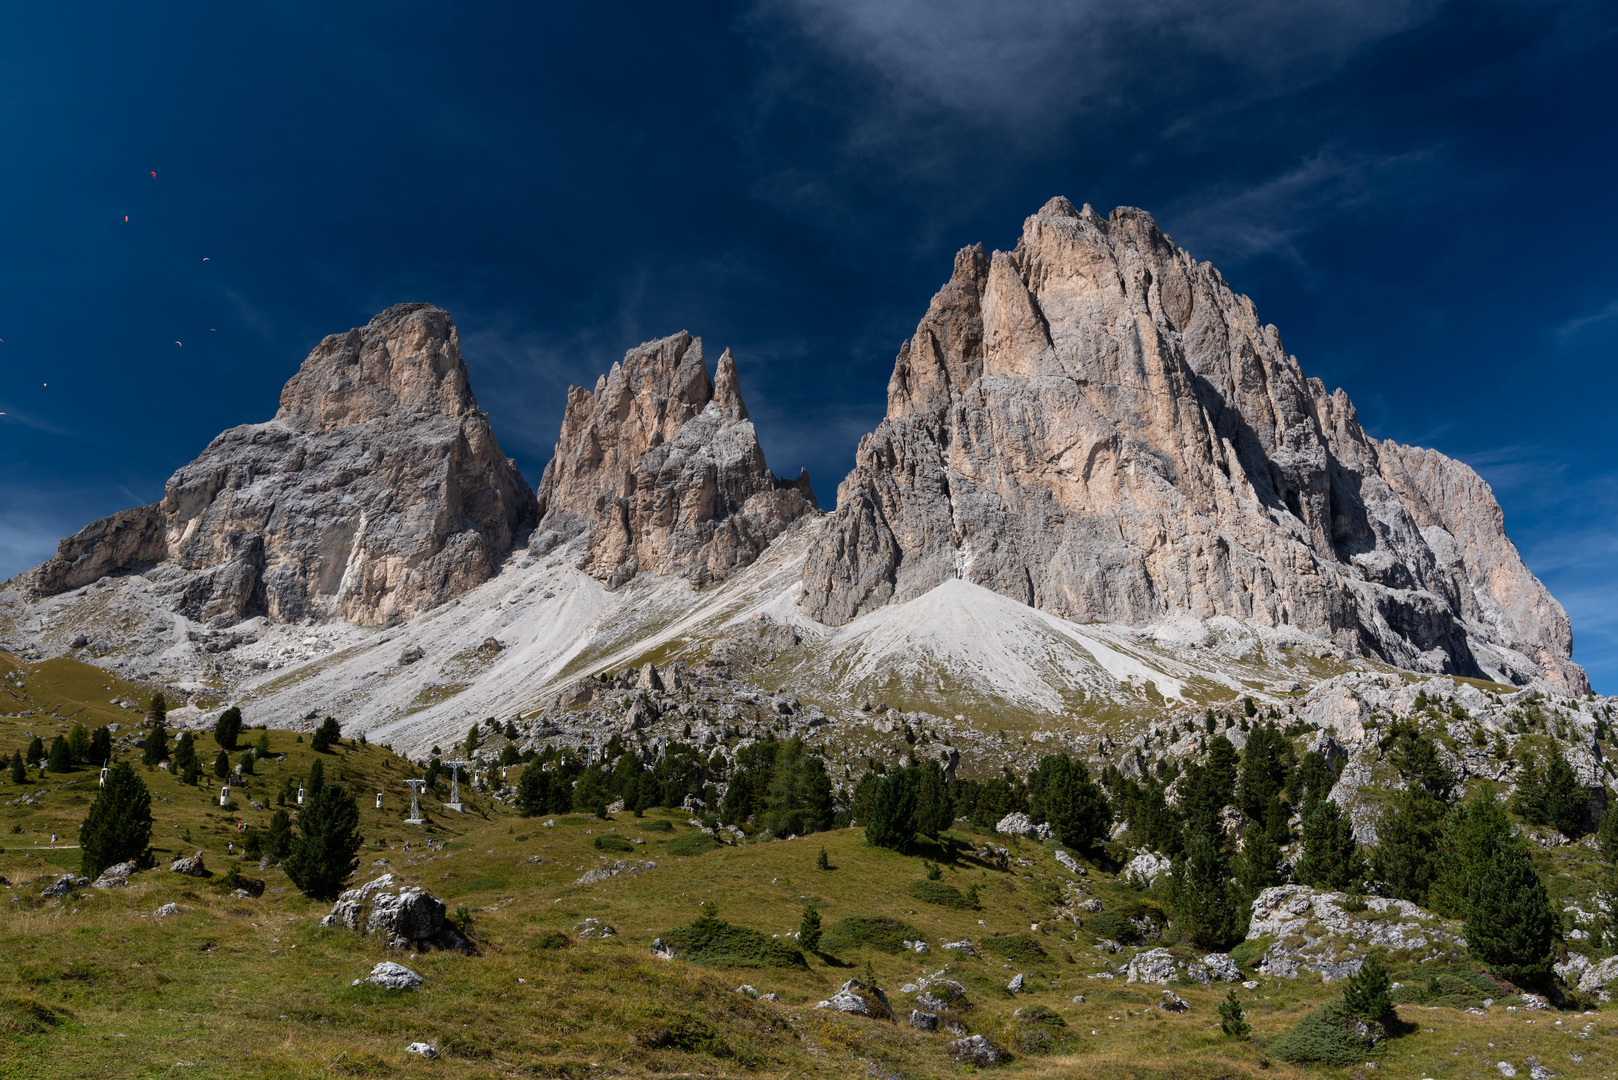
column 1420, row 195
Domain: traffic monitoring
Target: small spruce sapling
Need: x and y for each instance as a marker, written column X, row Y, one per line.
column 1368, row 993
column 1232, row 1021
column 823, row 863
column 809, row 930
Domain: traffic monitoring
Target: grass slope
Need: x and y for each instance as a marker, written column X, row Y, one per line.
column 94, row 985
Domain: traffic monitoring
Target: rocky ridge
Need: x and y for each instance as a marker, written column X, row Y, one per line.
column 660, row 469
column 1096, row 425
column 377, row 492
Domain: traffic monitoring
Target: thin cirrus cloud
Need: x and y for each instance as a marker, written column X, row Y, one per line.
column 1028, row 61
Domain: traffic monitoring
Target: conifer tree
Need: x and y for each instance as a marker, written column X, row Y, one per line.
column 1529, row 800
column 1204, row 905
column 323, row 855
column 1256, row 870
column 60, row 759
column 100, row 747
column 809, row 930
column 1232, row 1021
column 1407, row 844
column 185, row 754
column 159, row 712
column 1566, row 802
column 245, row 762
column 221, row 764
column 533, row 790
column 192, row 772
column 1510, row 924
column 35, row 752
column 1368, row 993
column 892, row 811
column 278, row 837
column 156, row 749
column 317, row 778
column 1473, row 834
column 228, row 728
column 118, row 825
column 19, row 771
column 1331, row 856
column 78, row 743
column 262, row 747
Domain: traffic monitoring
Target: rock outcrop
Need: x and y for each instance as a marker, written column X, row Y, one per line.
column 377, row 492
column 661, row 468
column 1094, row 424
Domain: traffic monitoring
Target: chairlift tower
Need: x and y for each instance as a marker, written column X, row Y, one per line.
column 455, row 803
column 415, row 787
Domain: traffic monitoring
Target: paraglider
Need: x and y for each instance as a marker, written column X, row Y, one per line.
column 154, row 176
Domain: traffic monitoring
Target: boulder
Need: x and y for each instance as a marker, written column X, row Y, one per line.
column 1149, row 866
column 391, row 976
column 63, row 885
column 1171, row 1002
column 923, row 1021
column 857, row 999
column 408, row 918
column 1017, row 823
column 1153, row 966
column 421, row 1048
column 978, row 1050
column 1070, row 863
column 191, row 866
column 166, row 910
column 964, row 947
column 1222, row 967
column 1016, row 983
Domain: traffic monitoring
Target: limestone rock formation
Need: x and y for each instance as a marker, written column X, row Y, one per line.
column 1096, row 425
column 661, row 467
column 378, row 491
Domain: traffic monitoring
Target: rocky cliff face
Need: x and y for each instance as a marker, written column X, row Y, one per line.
column 378, row 491
column 1096, row 425
column 660, row 467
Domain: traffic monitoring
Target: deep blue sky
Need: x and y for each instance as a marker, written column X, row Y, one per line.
column 1420, row 195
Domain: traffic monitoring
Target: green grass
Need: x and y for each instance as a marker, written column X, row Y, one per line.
column 879, row 932
column 936, row 892
column 717, row 943
column 693, row 843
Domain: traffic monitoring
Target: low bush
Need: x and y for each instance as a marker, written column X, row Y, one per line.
column 613, row 842
column 1331, row 1035
column 657, row 825
column 716, row 943
column 1251, row 951
column 693, row 843
column 550, row 939
column 936, row 892
column 879, row 932
column 1018, row 948
column 1039, row 1030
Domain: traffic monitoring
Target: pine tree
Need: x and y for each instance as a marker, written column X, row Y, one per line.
column 1232, row 1021
column 61, row 758
column 262, row 747
column 1062, row 793
column 1257, row 868
column 1331, row 857
column 1204, row 906
column 323, row 855
column 1566, row 802
column 158, row 714
column 1473, row 834
column 892, row 812
column 824, row 863
column 278, row 837
column 1416, row 757
column 1529, row 800
column 245, row 762
column 317, row 778
column 221, row 764
column 100, row 747
column 809, row 930
column 185, row 754
column 118, row 825
column 35, row 752
column 156, row 749
column 533, row 790
column 1368, row 993
column 192, row 772
column 1510, row 924
column 326, row 735
column 228, row 728
column 1407, row 844
column 19, row 771
column 1607, row 834
column 78, row 743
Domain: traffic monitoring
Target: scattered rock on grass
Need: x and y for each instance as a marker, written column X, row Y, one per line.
column 191, row 866
column 1172, row 1002
column 64, row 885
column 115, row 876
column 923, row 1021
column 166, row 910
column 979, row 1050
column 423, row 1049
column 391, row 976
column 857, row 999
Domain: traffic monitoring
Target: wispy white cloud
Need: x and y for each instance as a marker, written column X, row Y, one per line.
column 1272, row 216
column 1573, row 326
column 1029, row 61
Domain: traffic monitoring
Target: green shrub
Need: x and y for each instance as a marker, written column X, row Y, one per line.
column 1119, row 924
column 1232, row 1021
column 1331, row 1035
column 1039, row 1014
column 551, row 939
column 613, row 842
column 1250, row 952
column 936, row 892
column 693, row 843
column 879, row 932
column 1018, row 948
column 657, row 825
column 713, row 942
